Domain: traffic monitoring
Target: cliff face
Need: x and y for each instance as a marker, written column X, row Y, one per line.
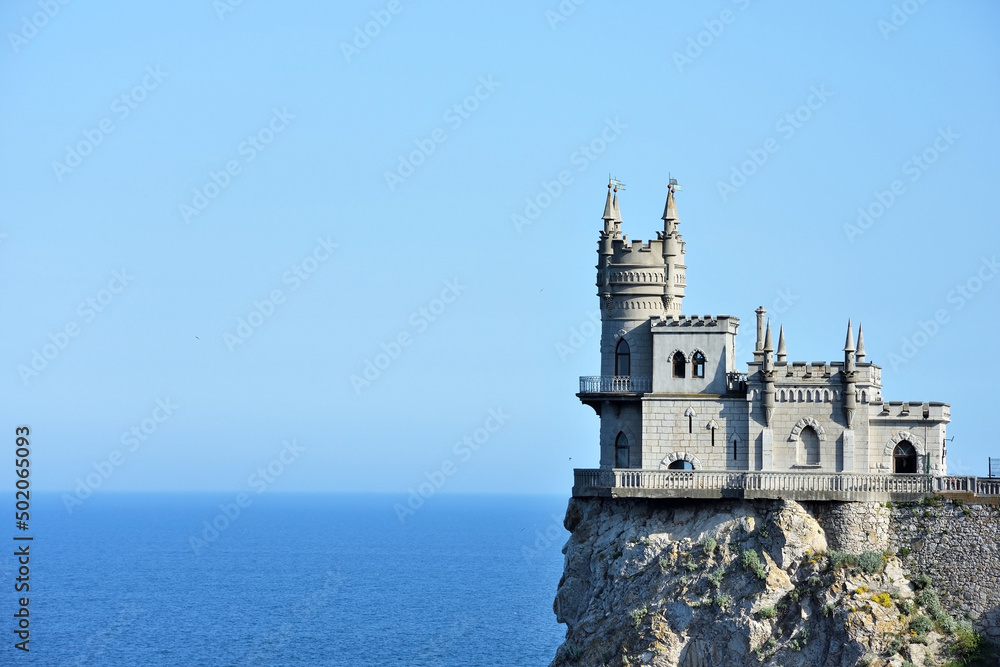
column 740, row 582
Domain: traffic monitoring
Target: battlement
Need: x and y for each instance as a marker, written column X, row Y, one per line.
column 912, row 410
column 725, row 322
column 819, row 371
column 646, row 253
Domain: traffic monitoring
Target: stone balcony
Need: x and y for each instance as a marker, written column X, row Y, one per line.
column 635, row 483
column 616, row 384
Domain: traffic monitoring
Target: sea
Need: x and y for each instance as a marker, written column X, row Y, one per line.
column 287, row 579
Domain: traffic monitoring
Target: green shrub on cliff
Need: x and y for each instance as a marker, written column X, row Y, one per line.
column 840, row 559
column 751, row 561
column 637, row 615
column 971, row 649
column 871, row 562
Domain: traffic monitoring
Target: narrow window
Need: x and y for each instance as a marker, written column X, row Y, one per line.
column 679, row 364
column 623, row 358
column 734, row 448
column 621, row 451
column 713, row 436
column 904, row 458
column 698, row 365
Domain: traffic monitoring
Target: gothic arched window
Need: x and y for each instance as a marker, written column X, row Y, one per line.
column 621, row 451
column 698, row 365
column 623, row 358
column 678, row 362
column 904, row 458
column 808, row 447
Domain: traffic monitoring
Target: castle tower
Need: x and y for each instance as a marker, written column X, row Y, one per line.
column 669, row 396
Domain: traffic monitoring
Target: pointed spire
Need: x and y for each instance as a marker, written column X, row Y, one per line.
column 860, row 354
column 609, row 211
column 849, row 345
column 614, row 205
column 670, row 209
column 768, row 342
column 782, row 353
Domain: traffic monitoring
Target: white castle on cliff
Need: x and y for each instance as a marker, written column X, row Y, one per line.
column 670, row 396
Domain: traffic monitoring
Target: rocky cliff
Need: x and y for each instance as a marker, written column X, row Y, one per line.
column 742, row 582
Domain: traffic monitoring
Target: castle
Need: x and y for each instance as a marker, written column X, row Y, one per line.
column 670, row 397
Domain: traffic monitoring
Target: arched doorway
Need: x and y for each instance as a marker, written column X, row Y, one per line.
column 623, row 358
column 621, row 451
column 904, row 458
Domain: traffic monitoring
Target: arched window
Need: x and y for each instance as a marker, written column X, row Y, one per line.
column 679, row 364
column 698, row 365
column 681, row 465
column 621, row 451
column 904, row 458
column 808, row 447
column 623, row 358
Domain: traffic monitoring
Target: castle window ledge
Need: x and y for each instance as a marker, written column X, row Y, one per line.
column 806, row 466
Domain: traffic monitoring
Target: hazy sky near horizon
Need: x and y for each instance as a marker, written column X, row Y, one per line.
column 216, row 215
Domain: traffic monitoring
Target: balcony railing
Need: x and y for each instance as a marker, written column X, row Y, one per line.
column 596, row 384
column 628, row 482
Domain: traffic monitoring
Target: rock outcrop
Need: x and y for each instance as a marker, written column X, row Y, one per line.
column 733, row 583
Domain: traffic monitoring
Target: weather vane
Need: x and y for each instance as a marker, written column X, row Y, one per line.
column 673, row 185
column 618, row 184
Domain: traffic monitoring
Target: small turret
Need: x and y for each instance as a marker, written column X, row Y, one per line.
column 859, row 356
column 849, row 349
column 758, row 350
column 782, row 353
column 768, row 374
column 674, row 269
column 850, row 392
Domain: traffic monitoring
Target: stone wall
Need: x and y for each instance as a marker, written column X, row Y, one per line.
column 955, row 542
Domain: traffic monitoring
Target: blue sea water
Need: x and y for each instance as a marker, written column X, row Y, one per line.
column 295, row 579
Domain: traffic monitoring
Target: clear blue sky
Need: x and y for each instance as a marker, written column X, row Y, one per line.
column 309, row 117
